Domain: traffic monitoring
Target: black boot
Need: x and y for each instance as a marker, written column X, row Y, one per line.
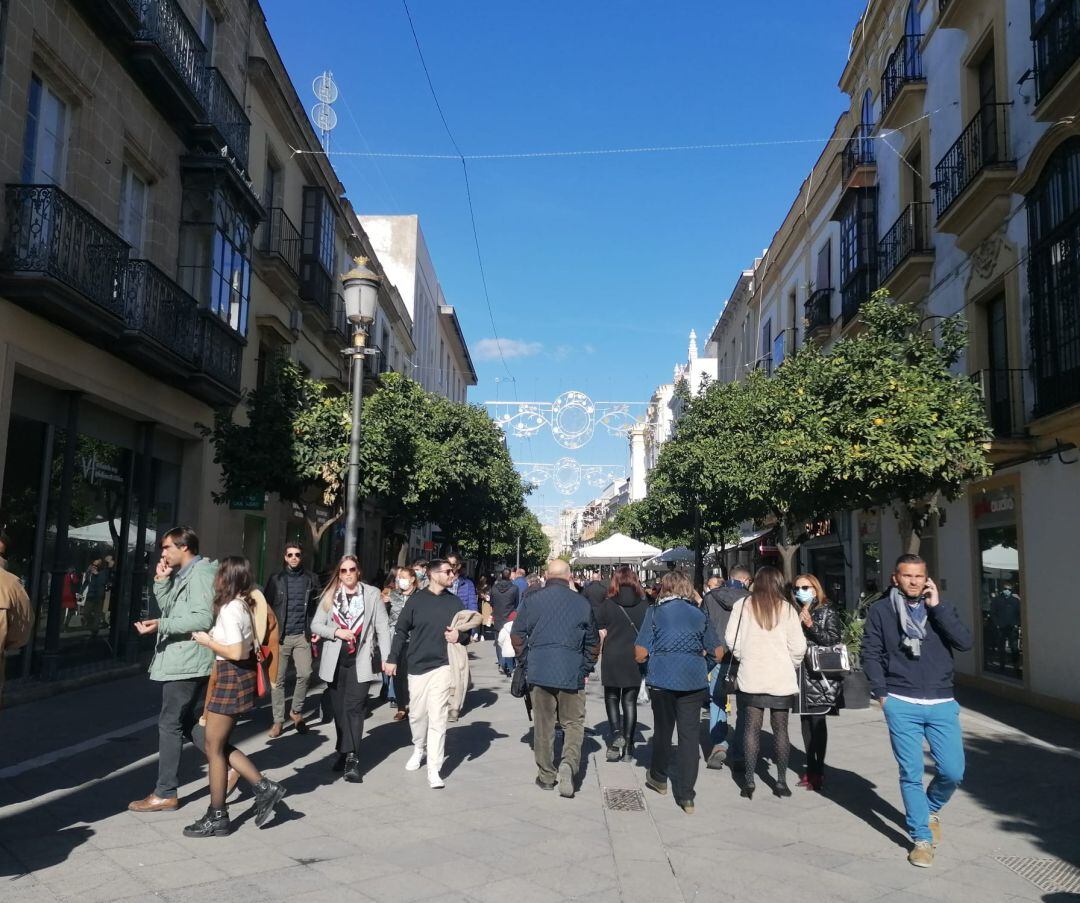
column 615, row 751
column 338, row 763
column 214, row 824
column 267, row 795
column 352, row 769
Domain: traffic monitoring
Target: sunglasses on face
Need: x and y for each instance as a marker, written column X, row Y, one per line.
column 347, row 571
column 292, row 554
column 804, row 586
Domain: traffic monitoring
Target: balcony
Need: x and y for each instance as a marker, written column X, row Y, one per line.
column 1003, row 396
column 159, row 320
column 857, row 161
column 906, row 255
column 817, row 318
column 315, row 287
column 224, row 124
column 337, row 332
column 60, row 261
column 169, row 56
column 1055, row 34
column 115, row 21
column 218, row 356
column 279, row 252
column 971, row 182
column 857, row 288
column 903, row 83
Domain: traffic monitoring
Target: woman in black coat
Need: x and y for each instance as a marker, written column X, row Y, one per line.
column 819, row 695
column 619, row 618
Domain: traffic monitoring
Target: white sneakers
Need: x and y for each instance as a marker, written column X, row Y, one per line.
column 415, row 760
column 434, row 781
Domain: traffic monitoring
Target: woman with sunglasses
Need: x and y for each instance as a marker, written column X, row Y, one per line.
column 819, row 695
column 350, row 616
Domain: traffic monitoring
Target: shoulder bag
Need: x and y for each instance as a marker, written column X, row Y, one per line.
column 731, row 677
column 832, row 661
column 261, row 654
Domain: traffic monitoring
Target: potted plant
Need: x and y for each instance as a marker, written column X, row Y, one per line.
column 856, row 685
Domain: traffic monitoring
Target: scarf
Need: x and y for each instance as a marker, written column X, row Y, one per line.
column 912, row 621
column 348, row 615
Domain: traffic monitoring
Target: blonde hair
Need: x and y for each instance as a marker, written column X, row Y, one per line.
column 820, row 598
column 330, row 592
column 676, row 583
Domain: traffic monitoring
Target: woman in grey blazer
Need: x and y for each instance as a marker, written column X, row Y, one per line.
column 349, row 619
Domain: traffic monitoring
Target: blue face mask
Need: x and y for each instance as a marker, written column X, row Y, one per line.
column 805, row 596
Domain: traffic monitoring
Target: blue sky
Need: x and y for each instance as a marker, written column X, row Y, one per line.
column 598, row 266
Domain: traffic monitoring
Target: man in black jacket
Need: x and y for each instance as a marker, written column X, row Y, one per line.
column 504, row 599
column 718, row 602
column 292, row 594
column 555, row 631
column 907, row 654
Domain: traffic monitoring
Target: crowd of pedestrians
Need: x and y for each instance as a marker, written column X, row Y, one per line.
column 752, row 644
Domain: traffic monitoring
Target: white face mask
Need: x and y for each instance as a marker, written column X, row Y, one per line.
column 806, row 596
column 404, row 583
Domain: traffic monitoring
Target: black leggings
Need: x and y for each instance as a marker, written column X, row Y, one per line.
column 815, row 737
column 621, row 704
column 755, row 717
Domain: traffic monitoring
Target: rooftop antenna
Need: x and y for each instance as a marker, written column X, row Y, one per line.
column 322, row 114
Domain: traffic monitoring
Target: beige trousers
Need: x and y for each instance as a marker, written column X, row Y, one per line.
column 429, row 706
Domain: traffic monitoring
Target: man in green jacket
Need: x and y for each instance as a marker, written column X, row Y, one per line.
column 184, row 592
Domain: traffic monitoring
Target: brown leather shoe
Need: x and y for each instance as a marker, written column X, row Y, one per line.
column 275, row 731
column 401, row 714
column 154, row 803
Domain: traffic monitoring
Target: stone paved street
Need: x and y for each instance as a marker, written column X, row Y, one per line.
column 491, row 835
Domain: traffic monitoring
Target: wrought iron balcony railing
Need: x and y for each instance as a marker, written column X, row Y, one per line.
column 1003, row 395
column 218, row 349
column 50, row 234
column 905, row 66
column 339, row 323
column 859, row 286
column 282, row 238
column 818, row 311
column 226, row 114
column 910, row 234
column 858, row 151
column 1055, row 32
column 315, row 286
column 983, row 143
column 157, row 307
column 163, row 23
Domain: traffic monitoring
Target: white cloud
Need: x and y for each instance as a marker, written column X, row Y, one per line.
column 488, row 349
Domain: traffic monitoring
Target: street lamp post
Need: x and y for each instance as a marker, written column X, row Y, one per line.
column 361, row 289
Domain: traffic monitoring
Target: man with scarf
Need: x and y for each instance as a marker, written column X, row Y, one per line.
column 907, row 654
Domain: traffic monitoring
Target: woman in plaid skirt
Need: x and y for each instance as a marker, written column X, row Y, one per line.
column 233, row 694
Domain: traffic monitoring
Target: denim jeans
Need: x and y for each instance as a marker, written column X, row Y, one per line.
column 718, row 717
column 939, row 725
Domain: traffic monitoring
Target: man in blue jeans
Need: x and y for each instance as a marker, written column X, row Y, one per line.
column 907, row 654
column 718, row 602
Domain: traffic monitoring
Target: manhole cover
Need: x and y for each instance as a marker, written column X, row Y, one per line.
column 1051, row 875
column 624, row 800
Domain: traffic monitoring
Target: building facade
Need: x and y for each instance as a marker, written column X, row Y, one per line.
column 953, row 180
column 159, row 242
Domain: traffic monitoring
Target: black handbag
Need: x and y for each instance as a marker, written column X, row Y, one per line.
column 519, row 684
column 831, row 661
column 731, row 677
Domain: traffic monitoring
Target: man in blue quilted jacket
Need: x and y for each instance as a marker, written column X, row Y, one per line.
column 555, row 634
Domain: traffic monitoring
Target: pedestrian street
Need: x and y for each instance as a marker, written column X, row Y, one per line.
column 69, row 765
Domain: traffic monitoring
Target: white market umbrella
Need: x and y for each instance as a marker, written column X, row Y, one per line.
column 100, row 533
column 1001, row 558
column 616, row 549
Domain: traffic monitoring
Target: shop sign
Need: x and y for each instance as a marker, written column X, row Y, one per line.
column 254, row 501
column 95, row 471
column 999, row 502
column 429, row 546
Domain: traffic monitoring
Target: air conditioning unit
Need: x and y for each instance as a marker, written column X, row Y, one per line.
column 296, row 321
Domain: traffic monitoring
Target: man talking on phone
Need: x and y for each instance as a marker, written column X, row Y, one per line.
column 907, row 654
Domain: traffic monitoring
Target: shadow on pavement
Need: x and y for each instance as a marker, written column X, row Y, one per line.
column 468, row 741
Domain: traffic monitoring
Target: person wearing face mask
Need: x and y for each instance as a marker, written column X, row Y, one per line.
column 349, row 617
column 420, row 570
column 405, row 586
column 907, row 654
column 819, row 695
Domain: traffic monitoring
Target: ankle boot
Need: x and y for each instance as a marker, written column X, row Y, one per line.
column 615, row 751
column 267, row 795
column 214, row 824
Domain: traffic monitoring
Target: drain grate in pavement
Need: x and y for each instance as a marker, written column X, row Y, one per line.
column 624, row 800
column 1051, row 875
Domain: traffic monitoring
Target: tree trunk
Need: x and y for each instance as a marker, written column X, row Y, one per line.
column 914, row 516
column 788, row 552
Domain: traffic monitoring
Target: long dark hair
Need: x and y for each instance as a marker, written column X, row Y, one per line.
column 233, row 581
column 768, row 596
column 624, row 576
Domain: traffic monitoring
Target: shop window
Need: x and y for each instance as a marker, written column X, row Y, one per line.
column 1000, row 600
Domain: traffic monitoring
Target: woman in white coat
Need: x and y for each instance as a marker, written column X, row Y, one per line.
column 350, row 618
column 766, row 638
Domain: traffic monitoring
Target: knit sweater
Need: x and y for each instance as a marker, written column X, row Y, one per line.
column 767, row 658
column 422, row 624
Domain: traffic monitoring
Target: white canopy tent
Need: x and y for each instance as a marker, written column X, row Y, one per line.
column 1001, row 558
column 100, row 533
column 616, row 549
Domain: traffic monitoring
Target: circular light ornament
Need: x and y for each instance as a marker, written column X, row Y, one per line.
column 573, row 419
